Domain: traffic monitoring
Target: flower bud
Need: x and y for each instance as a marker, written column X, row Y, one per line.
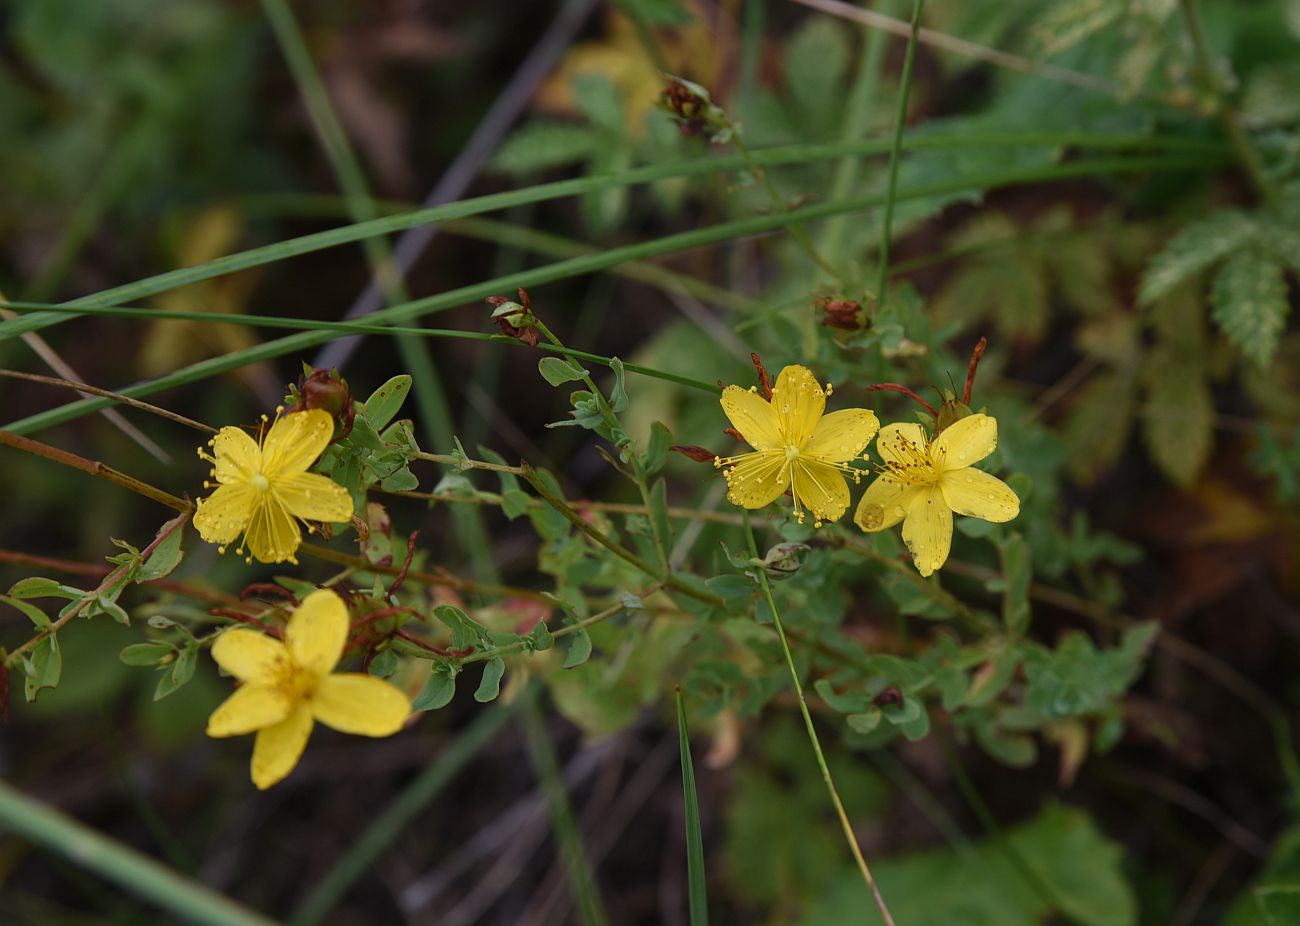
column 515, row 319
column 841, row 313
column 694, row 112
column 326, row 390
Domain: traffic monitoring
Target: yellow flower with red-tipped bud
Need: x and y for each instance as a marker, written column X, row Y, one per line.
column 924, row 482
column 797, row 447
column 263, row 488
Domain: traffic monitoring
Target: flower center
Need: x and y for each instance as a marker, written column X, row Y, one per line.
column 260, row 482
column 296, row 682
column 791, row 452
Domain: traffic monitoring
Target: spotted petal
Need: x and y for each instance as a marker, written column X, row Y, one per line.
column 884, row 504
column 975, row 493
column 314, row 497
column 277, row 749
column 820, row 487
column 842, row 436
column 965, row 442
column 354, row 703
column 799, row 402
column 272, row 536
column 238, row 457
column 927, row 530
column 222, row 515
column 317, row 631
column 753, row 416
column 758, row 479
column 295, row 441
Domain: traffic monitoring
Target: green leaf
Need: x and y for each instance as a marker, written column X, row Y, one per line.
column 1067, row 24
column 579, row 650
column 145, row 654
column 865, row 722
column 37, row 587
column 557, row 372
column 598, row 99
column 857, row 702
column 816, row 62
column 618, row 395
column 656, row 454
column 403, row 480
column 163, row 561
column 38, row 617
column 1017, row 572
column 656, row 13
column 384, row 402
column 1250, row 304
column 384, row 665
column 695, row 877
column 1178, row 421
column 1280, row 904
column 490, row 685
column 438, row 690
column 514, row 502
column 540, row 146
column 1193, row 249
column 43, row 666
column 182, row 671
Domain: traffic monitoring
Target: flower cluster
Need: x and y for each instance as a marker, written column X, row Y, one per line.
column 921, row 481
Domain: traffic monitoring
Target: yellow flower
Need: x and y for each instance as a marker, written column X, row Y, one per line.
column 262, row 489
column 796, row 446
column 287, row 686
column 924, row 481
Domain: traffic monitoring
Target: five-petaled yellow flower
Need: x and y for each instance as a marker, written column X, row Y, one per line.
column 262, row 489
column 924, row 481
column 796, row 446
column 287, row 686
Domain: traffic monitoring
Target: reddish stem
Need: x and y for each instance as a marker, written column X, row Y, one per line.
column 406, row 564
column 975, row 356
column 269, row 588
column 242, row 618
column 897, row 387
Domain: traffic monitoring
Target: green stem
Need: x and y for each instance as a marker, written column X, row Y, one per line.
column 121, row 864
column 900, row 119
column 845, row 825
column 570, row 268
column 398, row 816
column 1245, row 149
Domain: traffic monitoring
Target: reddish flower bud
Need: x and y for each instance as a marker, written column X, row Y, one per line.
column 841, row 313
column 326, row 390
column 698, row 454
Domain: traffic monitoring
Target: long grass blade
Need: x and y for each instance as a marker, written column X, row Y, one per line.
column 697, row 891
column 593, row 263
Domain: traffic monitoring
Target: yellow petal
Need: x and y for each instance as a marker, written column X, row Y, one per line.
column 821, row 488
column 965, row 442
column 226, row 512
column 758, row 479
column 799, row 403
column 354, row 703
column 237, row 456
column 976, row 494
column 753, row 416
column 842, row 436
column 318, row 498
column 249, row 656
column 295, row 441
column 884, row 503
column 277, row 749
column 927, row 530
column 317, row 631
column 251, row 707
column 902, row 443
column 272, row 535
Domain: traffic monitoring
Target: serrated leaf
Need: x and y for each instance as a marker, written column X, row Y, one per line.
column 1100, row 421
column 1178, row 421
column 557, row 371
column 1196, row 247
column 384, row 402
column 540, row 146
column 1249, row 302
column 489, row 687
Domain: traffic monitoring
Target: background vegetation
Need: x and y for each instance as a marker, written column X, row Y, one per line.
column 1085, row 718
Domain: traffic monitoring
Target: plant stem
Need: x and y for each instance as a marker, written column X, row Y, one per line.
column 115, row 396
column 94, row 468
column 492, row 498
column 900, row 118
column 1241, row 143
column 121, row 864
column 845, row 825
